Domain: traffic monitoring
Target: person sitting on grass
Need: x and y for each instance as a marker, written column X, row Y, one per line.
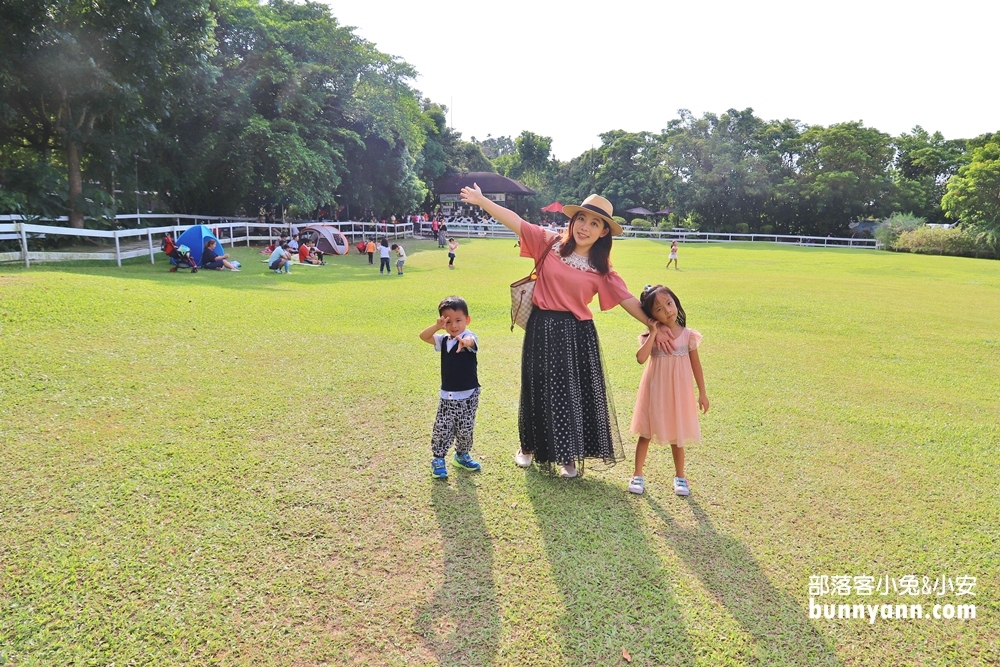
column 280, row 259
column 309, row 255
column 213, row 260
column 456, row 415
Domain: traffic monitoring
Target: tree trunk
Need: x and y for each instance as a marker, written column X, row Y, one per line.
column 75, row 184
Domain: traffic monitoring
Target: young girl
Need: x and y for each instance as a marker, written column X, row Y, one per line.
column 383, row 257
column 566, row 416
column 665, row 409
column 400, row 258
column 673, row 255
column 452, row 247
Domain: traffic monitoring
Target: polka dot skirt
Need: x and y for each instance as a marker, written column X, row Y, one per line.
column 566, row 414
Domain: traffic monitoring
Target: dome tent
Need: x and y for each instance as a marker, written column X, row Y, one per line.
column 329, row 240
column 195, row 238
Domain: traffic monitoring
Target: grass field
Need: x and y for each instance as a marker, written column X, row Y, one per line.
column 233, row 468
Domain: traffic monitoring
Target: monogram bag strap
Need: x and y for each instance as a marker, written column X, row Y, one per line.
column 548, row 251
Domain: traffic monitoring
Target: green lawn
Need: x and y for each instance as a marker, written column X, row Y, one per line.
column 233, row 468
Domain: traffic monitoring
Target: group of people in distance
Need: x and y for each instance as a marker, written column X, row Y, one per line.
column 566, row 418
column 181, row 256
column 385, row 251
column 281, row 252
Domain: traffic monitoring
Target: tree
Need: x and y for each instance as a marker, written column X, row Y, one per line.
column 973, row 194
column 75, row 70
column 494, row 147
column 924, row 163
column 725, row 170
column 302, row 113
column 444, row 151
column 843, row 174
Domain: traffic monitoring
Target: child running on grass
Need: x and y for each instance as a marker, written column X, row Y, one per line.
column 665, row 409
column 673, row 255
column 456, row 415
column 452, row 247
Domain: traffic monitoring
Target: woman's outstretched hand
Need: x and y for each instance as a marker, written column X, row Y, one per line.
column 472, row 195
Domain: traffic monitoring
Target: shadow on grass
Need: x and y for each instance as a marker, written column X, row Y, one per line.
column 461, row 624
column 615, row 592
column 726, row 568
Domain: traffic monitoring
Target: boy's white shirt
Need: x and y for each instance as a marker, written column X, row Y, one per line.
column 452, row 342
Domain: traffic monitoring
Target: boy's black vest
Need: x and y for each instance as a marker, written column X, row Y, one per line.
column 458, row 370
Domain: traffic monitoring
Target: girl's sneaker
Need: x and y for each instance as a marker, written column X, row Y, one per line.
column 467, row 462
column 681, row 487
column 438, row 469
column 636, row 485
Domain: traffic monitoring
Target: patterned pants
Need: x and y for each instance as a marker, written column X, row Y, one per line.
column 455, row 421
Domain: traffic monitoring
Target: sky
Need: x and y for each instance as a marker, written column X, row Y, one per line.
column 571, row 71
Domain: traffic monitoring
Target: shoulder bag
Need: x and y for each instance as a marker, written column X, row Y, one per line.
column 522, row 291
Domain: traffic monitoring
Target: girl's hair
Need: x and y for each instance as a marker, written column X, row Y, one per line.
column 648, row 298
column 600, row 252
column 451, row 240
column 384, row 243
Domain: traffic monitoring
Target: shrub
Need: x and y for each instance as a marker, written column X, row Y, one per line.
column 889, row 229
column 639, row 223
column 767, row 229
column 691, row 221
column 939, row 241
column 742, row 228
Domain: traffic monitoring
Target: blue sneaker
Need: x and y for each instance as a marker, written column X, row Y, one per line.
column 467, row 462
column 438, row 469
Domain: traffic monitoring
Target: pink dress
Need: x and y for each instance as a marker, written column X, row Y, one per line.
column 666, row 410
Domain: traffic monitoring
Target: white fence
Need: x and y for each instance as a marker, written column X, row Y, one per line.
column 128, row 243
column 482, row 230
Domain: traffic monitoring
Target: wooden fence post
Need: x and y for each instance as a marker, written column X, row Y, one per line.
column 149, row 233
column 118, row 249
column 24, row 244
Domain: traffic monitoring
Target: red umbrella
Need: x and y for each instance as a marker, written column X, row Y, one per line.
column 554, row 207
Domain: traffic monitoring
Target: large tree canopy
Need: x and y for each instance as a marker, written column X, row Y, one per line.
column 221, row 107
column 974, row 193
column 237, row 107
column 76, row 73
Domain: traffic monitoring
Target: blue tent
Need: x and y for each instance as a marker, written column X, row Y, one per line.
column 196, row 238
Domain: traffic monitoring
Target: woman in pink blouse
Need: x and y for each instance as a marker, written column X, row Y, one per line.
column 566, row 415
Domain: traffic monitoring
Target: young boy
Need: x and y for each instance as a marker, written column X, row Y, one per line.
column 456, row 415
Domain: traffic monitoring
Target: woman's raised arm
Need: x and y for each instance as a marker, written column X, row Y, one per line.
column 507, row 217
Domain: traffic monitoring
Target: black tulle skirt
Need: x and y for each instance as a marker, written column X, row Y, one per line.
column 566, row 413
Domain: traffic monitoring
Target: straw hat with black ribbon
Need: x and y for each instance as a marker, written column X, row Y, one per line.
column 598, row 205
